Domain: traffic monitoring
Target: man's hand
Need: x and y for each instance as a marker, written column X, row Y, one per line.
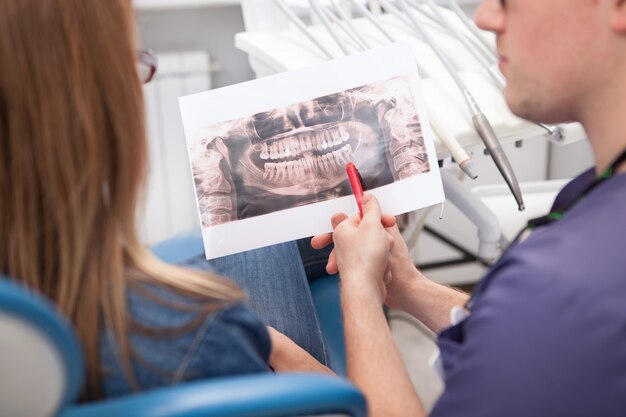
column 362, row 248
column 362, row 253
column 404, row 274
column 323, row 240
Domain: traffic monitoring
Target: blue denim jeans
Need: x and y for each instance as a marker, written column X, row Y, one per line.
column 275, row 280
column 314, row 261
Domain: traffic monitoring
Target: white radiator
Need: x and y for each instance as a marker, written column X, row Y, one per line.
column 170, row 207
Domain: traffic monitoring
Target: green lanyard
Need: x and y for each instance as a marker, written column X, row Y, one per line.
column 558, row 214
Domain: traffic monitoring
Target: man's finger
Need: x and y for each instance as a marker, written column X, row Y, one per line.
column 388, row 277
column 331, row 266
column 371, row 208
column 337, row 218
column 321, row 241
column 392, row 241
column 388, row 220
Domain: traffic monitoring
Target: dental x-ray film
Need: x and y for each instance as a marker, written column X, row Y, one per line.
column 268, row 156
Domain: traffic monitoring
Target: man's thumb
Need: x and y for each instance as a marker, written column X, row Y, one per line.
column 370, row 206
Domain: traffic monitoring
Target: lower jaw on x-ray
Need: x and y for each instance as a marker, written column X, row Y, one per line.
column 297, row 155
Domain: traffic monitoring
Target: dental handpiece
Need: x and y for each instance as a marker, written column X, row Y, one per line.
column 492, row 144
column 494, row 148
column 481, row 124
column 456, row 150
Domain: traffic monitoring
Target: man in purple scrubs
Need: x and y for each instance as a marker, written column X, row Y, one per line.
column 545, row 333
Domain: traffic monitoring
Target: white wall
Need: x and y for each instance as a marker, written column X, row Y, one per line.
column 205, row 32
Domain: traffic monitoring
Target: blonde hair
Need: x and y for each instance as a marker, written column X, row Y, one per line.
column 73, row 154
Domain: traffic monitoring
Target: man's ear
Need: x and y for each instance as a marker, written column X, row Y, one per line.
column 618, row 16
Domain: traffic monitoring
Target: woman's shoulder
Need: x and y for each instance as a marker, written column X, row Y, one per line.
column 174, row 340
column 231, row 326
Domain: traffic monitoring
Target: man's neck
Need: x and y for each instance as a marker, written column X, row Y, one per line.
column 603, row 120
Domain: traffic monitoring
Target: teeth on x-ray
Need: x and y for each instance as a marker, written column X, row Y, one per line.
column 300, row 143
column 327, row 165
column 292, row 156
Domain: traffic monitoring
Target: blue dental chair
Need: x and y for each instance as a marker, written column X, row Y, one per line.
column 41, row 374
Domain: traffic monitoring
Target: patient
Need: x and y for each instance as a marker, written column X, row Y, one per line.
column 74, row 153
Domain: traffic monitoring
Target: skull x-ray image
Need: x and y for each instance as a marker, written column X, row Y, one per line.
column 292, row 156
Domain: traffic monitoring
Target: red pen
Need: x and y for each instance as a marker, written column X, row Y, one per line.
column 355, row 183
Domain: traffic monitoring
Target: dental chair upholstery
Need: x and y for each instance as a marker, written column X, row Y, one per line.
column 265, row 395
column 41, row 365
column 42, row 373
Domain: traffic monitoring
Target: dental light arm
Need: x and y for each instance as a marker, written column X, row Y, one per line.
column 481, row 124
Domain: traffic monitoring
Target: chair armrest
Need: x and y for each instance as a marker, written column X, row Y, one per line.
column 257, row 395
column 179, row 248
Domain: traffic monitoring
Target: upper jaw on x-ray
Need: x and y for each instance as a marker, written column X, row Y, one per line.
column 296, row 155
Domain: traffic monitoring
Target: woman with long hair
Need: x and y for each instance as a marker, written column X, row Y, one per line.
column 74, row 155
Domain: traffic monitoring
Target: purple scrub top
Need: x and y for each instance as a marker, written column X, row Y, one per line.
column 546, row 336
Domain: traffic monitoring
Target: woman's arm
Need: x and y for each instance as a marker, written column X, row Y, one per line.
column 286, row 356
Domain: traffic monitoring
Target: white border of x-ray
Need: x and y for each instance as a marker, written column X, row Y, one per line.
column 280, row 90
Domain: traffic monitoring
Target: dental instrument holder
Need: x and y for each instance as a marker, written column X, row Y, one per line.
column 481, row 124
